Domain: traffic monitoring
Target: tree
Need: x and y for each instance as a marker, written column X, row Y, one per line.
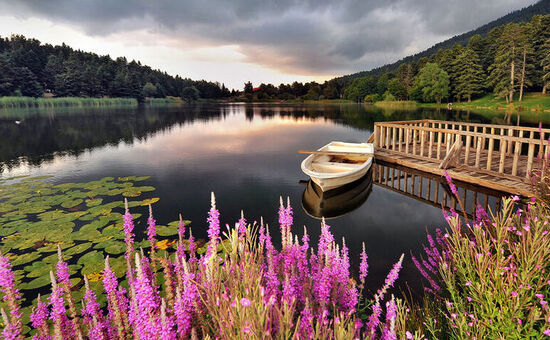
column 149, row 90
column 7, row 76
column 469, row 74
column 505, row 68
column 545, row 63
column 248, row 87
column 396, row 88
column 433, row 82
column 382, row 84
column 538, row 34
column 190, row 94
column 405, row 75
column 27, row 83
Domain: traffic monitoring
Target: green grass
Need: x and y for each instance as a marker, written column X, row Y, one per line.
column 167, row 100
column 26, row 102
column 531, row 102
column 398, row 104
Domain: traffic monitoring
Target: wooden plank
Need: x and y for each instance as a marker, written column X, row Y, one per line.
column 451, row 155
column 513, row 187
column 336, row 153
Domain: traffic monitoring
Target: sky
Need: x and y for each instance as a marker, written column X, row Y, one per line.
column 234, row 41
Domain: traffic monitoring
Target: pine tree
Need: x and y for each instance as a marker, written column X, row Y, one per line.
column 539, row 33
column 545, row 63
column 469, row 74
column 507, row 63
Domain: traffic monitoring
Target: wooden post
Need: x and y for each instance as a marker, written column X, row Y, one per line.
column 400, row 138
column 502, row 150
column 467, row 152
column 490, row 151
column 478, row 151
column 530, row 155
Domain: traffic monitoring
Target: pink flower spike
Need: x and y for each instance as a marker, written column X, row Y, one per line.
column 245, row 302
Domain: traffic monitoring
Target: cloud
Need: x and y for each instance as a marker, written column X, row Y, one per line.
column 299, row 37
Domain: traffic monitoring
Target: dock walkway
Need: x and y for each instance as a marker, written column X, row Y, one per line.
column 500, row 157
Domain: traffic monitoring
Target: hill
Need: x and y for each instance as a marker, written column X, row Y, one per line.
column 523, row 15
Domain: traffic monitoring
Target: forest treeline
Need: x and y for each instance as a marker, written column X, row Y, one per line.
column 510, row 60
column 29, row 68
column 522, row 15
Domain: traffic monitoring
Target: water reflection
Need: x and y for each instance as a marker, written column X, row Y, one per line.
column 336, row 202
column 41, row 135
column 245, row 153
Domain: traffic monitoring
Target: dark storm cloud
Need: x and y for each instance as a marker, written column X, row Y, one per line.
column 319, row 37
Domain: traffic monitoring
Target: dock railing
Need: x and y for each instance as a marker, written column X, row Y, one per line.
column 501, row 150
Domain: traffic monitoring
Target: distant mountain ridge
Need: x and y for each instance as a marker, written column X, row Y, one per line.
column 522, row 15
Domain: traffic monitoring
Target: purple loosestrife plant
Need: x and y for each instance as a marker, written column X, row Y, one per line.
column 252, row 291
column 151, row 229
column 12, row 329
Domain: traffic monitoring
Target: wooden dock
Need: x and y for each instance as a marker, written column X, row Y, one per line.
column 434, row 190
column 500, row 157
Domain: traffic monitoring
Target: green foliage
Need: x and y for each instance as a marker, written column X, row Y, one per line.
column 389, row 97
column 31, row 69
column 505, row 70
column 396, row 89
column 433, row 82
column 36, row 217
column 502, row 258
column 190, row 94
column 149, row 90
column 372, row 98
column 469, row 74
column 15, row 102
column 545, row 63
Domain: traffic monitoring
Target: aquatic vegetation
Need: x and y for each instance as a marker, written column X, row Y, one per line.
column 16, row 102
column 241, row 287
column 84, row 220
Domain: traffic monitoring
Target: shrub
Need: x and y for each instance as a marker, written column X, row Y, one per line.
column 489, row 279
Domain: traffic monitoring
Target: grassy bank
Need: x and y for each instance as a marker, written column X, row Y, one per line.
column 397, row 104
column 535, row 102
column 26, row 102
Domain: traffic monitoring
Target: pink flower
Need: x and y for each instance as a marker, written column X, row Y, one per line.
column 151, row 228
column 546, row 332
column 364, row 266
column 245, row 302
column 514, row 294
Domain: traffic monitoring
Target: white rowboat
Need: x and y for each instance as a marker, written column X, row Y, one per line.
column 331, row 171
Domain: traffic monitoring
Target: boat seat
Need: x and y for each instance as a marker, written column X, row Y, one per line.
column 334, row 166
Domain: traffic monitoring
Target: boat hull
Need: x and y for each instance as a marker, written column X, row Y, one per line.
column 336, row 174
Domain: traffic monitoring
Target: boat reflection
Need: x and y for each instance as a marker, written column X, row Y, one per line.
column 336, row 202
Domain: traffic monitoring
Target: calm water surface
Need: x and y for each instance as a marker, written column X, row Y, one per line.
column 246, row 154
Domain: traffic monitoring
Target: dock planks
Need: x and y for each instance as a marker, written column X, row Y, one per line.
column 499, row 157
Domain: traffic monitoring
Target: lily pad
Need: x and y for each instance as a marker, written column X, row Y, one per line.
column 71, row 203
column 78, row 249
column 94, row 202
column 24, row 258
column 150, row 201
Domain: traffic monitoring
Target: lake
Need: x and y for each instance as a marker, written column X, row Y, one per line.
column 245, row 153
